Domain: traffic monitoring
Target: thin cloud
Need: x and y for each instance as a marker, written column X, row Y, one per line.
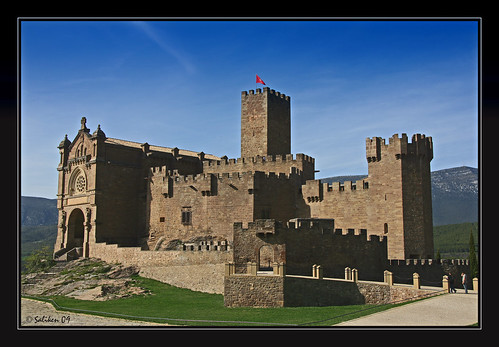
column 152, row 34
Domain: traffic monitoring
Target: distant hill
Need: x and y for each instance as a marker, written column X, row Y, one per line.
column 38, row 211
column 453, row 239
column 454, row 194
column 38, row 223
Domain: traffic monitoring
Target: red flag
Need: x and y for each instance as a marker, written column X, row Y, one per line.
column 259, row 80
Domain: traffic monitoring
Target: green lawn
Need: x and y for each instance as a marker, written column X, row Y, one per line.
column 186, row 307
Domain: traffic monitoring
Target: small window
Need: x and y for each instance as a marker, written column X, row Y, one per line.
column 161, row 219
column 385, row 228
column 186, row 217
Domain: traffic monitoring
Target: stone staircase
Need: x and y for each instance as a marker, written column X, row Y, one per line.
column 66, row 255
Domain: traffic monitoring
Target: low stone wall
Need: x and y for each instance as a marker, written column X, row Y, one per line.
column 254, row 291
column 292, row 290
column 208, row 278
column 195, row 270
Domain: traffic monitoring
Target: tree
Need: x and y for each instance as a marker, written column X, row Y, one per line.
column 473, row 261
column 439, row 257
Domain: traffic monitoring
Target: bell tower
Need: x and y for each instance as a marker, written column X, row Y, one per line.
column 265, row 123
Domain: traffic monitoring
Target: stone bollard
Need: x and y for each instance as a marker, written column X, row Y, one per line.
column 275, row 269
column 475, row 284
column 229, row 268
column 348, row 274
column 251, row 268
column 314, row 271
column 282, row 270
column 445, row 283
column 319, row 272
column 355, row 275
column 388, row 278
column 416, row 283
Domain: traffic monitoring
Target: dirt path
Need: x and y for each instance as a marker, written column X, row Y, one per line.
column 36, row 314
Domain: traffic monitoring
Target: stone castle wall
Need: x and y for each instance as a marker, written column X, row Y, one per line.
column 290, row 291
column 277, row 164
column 393, row 201
column 215, row 201
column 302, row 243
column 152, row 199
column 195, row 270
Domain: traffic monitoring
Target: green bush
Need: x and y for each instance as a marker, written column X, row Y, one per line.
column 39, row 260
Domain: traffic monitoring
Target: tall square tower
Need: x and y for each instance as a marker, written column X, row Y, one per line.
column 265, row 123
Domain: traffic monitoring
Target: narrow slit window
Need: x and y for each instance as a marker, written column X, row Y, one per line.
column 186, row 217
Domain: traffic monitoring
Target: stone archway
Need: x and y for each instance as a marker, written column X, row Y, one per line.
column 75, row 229
column 265, row 258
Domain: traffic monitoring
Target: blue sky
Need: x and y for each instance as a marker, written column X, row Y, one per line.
column 179, row 83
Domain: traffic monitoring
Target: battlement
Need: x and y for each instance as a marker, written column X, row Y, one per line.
column 208, row 183
column 248, row 161
column 323, row 226
column 300, row 164
column 235, row 175
column 428, row 262
column 266, row 90
column 314, row 190
column 210, row 245
column 420, row 145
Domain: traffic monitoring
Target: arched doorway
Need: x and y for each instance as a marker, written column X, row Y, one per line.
column 265, row 258
column 75, row 229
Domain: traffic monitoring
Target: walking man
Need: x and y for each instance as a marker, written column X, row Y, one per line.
column 464, row 279
column 451, row 283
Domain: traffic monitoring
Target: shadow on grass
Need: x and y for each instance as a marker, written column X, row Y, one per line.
column 179, row 306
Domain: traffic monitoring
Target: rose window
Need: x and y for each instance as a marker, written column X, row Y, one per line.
column 80, row 184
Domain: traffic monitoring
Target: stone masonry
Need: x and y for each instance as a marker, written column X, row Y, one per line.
column 118, row 194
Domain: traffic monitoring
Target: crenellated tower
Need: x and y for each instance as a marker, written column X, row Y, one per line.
column 265, row 123
column 400, row 189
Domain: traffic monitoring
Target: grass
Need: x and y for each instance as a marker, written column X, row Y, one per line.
column 186, row 307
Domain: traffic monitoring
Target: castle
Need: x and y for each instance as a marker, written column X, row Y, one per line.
column 144, row 203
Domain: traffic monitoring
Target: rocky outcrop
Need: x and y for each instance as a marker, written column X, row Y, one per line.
column 84, row 279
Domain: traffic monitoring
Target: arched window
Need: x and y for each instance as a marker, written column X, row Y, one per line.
column 265, row 258
column 385, row 231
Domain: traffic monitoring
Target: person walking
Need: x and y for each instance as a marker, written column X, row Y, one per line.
column 464, row 279
column 451, row 284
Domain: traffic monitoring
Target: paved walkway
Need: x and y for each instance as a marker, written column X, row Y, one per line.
column 444, row 310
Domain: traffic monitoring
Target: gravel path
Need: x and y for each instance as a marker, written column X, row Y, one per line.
column 36, row 313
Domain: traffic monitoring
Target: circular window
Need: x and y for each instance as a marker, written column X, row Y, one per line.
column 80, row 184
